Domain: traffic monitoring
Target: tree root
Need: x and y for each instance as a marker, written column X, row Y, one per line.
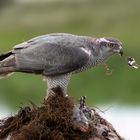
column 57, row 119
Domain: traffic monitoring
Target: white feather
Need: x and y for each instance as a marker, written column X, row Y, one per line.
column 86, row 51
column 103, row 40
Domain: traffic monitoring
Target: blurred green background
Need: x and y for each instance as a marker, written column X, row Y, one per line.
column 21, row 20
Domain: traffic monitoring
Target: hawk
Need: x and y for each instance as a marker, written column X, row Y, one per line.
column 57, row 56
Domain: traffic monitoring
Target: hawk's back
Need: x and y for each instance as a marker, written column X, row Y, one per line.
column 54, row 54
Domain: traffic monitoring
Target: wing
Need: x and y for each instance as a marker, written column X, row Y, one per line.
column 49, row 38
column 51, row 57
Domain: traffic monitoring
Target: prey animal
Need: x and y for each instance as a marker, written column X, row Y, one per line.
column 57, row 56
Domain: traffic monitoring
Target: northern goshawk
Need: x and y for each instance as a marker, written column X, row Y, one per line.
column 57, row 56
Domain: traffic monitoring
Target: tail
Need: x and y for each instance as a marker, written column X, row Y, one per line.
column 7, row 64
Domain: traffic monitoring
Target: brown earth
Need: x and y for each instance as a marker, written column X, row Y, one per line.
column 57, row 119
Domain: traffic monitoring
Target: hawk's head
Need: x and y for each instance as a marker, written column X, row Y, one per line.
column 110, row 46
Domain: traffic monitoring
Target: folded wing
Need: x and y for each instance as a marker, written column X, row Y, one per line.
column 50, row 57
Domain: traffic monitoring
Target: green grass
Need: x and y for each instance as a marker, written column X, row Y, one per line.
column 98, row 18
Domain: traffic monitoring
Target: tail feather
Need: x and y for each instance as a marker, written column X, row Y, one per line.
column 7, row 64
column 5, row 73
column 5, row 55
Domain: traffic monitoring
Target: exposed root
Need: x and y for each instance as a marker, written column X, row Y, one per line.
column 57, row 119
column 108, row 72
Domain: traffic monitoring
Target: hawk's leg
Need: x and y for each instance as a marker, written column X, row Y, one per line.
column 61, row 81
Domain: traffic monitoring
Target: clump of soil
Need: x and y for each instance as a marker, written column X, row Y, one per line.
column 57, row 119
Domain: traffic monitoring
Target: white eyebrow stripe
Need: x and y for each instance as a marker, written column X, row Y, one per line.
column 86, row 51
column 103, row 39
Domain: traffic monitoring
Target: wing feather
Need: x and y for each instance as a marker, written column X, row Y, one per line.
column 51, row 56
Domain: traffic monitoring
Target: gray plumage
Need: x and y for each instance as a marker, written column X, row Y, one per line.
column 56, row 56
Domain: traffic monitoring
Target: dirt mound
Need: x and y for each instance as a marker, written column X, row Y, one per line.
column 57, row 119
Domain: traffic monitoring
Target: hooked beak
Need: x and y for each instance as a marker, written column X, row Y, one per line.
column 121, row 51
